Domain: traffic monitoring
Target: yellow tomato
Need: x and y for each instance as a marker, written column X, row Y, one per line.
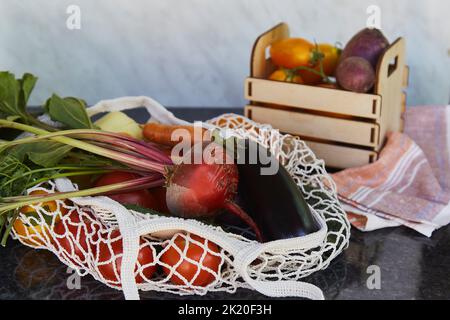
column 286, row 75
column 330, row 60
column 292, row 52
column 33, row 232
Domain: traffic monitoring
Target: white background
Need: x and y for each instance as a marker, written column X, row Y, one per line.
column 196, row 52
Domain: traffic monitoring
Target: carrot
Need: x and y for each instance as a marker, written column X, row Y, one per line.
column 163, row 133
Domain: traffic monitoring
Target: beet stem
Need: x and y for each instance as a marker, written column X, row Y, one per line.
column 239, row 212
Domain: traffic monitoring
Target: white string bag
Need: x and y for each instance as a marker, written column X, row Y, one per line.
column 84, row 234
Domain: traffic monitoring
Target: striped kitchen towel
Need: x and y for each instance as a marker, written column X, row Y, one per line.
column 410, row 183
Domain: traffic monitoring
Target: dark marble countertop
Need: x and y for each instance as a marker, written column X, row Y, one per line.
column 411, row 266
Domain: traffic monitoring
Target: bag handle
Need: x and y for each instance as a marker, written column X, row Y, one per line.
column 154, row 108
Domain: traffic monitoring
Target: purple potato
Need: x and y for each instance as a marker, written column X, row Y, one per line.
column 355, row 74
column 369, row 44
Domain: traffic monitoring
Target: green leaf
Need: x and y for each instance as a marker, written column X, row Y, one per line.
column 69, row 111
column 9, row 94
column 27, row 84
column 45, row 153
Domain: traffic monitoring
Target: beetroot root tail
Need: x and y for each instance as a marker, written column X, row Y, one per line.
column 239, row 212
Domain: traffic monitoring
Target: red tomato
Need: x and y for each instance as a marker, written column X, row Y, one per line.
column 142, row 198
column 108, row 254
column 194, row 252
column 71, row 234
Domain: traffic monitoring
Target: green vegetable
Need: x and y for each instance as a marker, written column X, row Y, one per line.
column 27, row 84
column 44, row 153
column 49, row 153
column 14, row 95
column 15, row 175
column 9, row 95
column 69, row 111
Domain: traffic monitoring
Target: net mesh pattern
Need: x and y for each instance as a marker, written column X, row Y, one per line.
column 87, row 238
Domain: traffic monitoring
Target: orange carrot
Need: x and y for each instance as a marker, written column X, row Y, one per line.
column 162, row 133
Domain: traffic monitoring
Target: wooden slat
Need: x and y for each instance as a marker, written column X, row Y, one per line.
column 341, row 157
column 313, row 98
column 315, row 126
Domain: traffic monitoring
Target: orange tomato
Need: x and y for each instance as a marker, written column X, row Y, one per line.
column 292, row 52
column 330, row 60
column 32, row 231
column 286, row 75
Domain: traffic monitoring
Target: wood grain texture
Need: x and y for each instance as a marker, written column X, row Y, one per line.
column 319, row 127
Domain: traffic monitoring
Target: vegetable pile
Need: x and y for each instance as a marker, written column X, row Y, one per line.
column 325, row 65
column 134, row 165
column 109, row 157
column 112, row 162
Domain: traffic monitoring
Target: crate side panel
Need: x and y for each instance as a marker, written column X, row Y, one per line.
column 314, row 126
column 313, row 98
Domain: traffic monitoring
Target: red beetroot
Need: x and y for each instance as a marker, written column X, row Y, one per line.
column 355, row 74
column 203, row 190
column 368, row 44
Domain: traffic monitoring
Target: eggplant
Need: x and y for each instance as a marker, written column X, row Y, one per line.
column 274, row 201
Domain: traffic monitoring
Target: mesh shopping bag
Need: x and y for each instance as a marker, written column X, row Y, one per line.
column 131, row 251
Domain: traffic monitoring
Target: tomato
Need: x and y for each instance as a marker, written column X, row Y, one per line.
column 109, row 263
column 292, row 52
column 72, row 234
column 286, row 75
column 142, row 198
column 194, row 252
column 31, row 229
column 330, row 60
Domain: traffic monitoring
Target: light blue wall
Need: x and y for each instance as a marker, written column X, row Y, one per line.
column 196, row 52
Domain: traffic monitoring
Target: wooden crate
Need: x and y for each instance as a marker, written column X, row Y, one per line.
column 346, row 129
